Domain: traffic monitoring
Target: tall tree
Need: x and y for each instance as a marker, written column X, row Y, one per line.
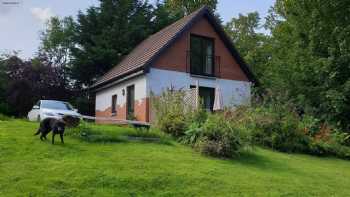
column 31, row 80
column 311, row 55
column 164, row 15
column 4, row 108
column 107, row 33
column 57, row 41
column 185, row 7
column 252, row 45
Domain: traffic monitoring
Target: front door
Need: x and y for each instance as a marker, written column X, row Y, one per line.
column 130, row 102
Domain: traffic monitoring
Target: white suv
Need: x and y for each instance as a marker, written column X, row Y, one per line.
column 51, row 109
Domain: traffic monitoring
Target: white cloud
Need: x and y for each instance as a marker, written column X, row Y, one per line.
column 42, row 14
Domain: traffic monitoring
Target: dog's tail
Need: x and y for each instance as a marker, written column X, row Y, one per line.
column 37, row 133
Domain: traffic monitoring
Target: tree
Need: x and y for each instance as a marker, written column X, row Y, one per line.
column 31, row 80
column 57, row 41
column 105, row 34
column 163, row 16
column 4, row 108
column 252, row 45
column 311, row 54
column 185, row 7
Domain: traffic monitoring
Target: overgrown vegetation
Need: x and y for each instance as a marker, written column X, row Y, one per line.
column 271, row 122
column 281, row 128
column 305, row 55
column 211, row 134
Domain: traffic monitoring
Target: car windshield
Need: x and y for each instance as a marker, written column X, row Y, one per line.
column 56, row 105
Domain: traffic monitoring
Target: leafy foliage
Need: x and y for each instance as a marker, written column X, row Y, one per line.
column 57, row 41
column 186, row 7
column 221, row 137
column 29, row 81
column 170, row 112
column 305, row 56
column 211, row 134
column 107, row 33
column 249, row 42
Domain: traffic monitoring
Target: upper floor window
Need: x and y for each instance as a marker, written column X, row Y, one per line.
column 202, row 55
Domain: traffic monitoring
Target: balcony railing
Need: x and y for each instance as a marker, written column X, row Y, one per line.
column 215, row 61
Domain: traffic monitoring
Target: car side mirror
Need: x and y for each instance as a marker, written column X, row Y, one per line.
column 76, row 110
column 36, row 107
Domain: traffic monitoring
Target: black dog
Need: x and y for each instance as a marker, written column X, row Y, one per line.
column 51, row 124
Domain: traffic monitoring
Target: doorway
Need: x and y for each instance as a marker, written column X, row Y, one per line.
column 130, row 102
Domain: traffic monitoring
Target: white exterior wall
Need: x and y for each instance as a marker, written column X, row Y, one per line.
column 104, row 97
column 233, row 92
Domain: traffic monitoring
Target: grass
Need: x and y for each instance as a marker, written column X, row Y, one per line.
column 29, row 167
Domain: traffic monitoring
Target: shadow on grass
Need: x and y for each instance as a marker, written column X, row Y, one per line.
column 101, row 138
column 253, row 159
column 113, row 134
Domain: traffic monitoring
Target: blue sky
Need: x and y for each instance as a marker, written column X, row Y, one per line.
column 22, row 20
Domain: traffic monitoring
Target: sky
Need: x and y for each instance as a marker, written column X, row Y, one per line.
column 21, row 21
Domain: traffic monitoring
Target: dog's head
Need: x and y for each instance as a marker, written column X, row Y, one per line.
column 70, row 121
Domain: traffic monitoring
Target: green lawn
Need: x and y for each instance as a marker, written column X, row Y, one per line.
column 29, row 167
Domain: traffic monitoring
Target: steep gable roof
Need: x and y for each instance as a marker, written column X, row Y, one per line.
column 141, row 57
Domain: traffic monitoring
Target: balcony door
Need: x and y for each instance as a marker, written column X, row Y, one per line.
column 202, row 55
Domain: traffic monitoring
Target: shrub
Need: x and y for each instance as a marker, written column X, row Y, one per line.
column 221, row 137
column 341, row 138
column 4, row 118
column 170, row 112
column 278, row 129
column 5, row 109
column 192, row 134
column 330, row 148
column 272, row 123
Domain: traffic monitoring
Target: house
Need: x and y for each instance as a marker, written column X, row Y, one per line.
column 195, row 49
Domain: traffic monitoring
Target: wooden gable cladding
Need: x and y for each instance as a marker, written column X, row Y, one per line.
column 176, row 58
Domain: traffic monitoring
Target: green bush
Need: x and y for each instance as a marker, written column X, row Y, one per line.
column 170, row 112
column 330, row 148
column 341, row 138
column 192, row 134
column 221, row 137
column 5, row 109
column 272, row 123
column 4, row 118
column 278, row 129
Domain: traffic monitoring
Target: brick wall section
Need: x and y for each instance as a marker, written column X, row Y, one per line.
column 174, row 58
column 141, row 112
